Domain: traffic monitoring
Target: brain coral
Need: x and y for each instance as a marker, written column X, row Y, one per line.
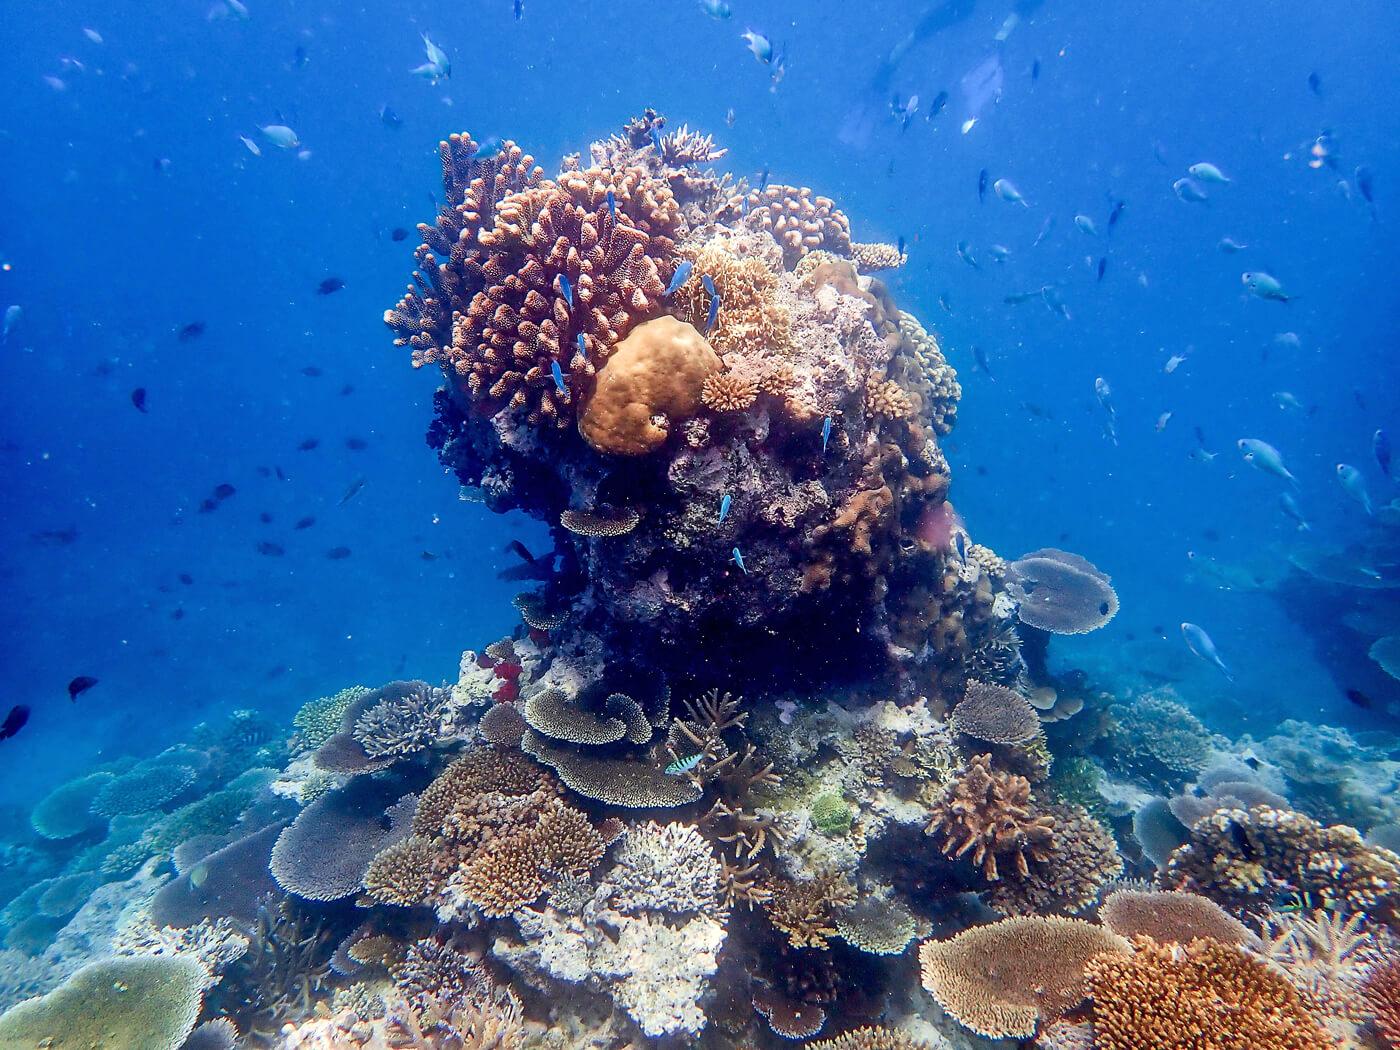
column 651, row 383
column 1000, row 980
column 131, row 1003
column 1061, row 592
column 1212, row 994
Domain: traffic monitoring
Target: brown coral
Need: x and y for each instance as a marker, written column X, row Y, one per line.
column 651, row 383
column 1171, row 917
column 805, row 911
column 729, row 391
column 870, row 1038
column 885, row 397
column 986, row 815
column 1382, row 994
column 1000, row 980
column 1202, row 996
column 799, row 221
column 402, row 874
column 1079, row 861
column 597, row 523
column 995, row 714
column 751, row 323
column 876, row 256
column 478, row 770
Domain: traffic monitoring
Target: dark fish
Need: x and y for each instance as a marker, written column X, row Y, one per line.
column 356, row 444
column 193, row 330
column 178, row 614
column 272, row 550
column 1380, row 446
column 329, row 285
column 389, row 118
column 277, row 672
column 519, row 7
column 1240, row 838
column 398, row 233
column 264, row 472
column 208, row 505
column 265, row 517
column 305, row 523
column 1116, row 213
column 299, row 58
column 1359, row 398
column 352, row 491
column 280, row 475
column 338, row 553
column 1365, row 180
column 939, row 101
column 763, row 179
column 307, row 445
column 428, row 556
column 80, row 685
column 980, row 356
column 1035, row 71
column 521, row 551
column 224, row 491
column 313, row 371
column 55, row 537
column 14, row 721
column 982, row 177
column 346, row 390
column 1252, row 762
column 186, row 579
column 1037, row 410
column 1103, row 265
column 1315, row 84
column 899, row 244
column 138, row 398
column 1360, row 699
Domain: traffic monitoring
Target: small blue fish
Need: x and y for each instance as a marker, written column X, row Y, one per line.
column 679, row 278
column 612, row 205
column 582, row 347
column 826, row 433
column 714, row 313
column 961, row 541
column 739, row 561
column 682, row 766
column 566, row 290
column 724, row 503
column 759, row 44
column 763, row 178
column 558, row 374
column 656, row 140
column 709, row 284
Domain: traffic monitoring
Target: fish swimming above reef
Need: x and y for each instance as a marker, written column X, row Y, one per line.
column 1264, row 457
column 80, row 685
column 679, row 278
column 14, row 721
column 1200, row 643
column 1207, row 172
column 1290, row 508
column 1354, row 482
column 758, row 44
column 1007, row 191
column 352, row 491
column 717, row 9
column 190, row 332
column 1380, row 447
column 1189, row 191
column 1263, row 285
column 13, row 313
column 280, row 136
column 438, row 67
column 329, row 286
column 138, row 399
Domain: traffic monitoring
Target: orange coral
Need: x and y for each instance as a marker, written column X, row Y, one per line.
column 985, row 814
column 751, row 322
column 651, row 383
column 799, row 221
column 1200, row 996
column 594, row 523
column 1382, row 994
column 729, row 391
column 885, row 397
column 805, row 911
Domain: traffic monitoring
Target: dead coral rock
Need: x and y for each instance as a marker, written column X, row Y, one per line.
column 651, row 383
column 1223, row 997
column 1000, row 980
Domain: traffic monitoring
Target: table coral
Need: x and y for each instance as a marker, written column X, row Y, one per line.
column 1203, row 995
column 1171, row 917
column 1061, row 592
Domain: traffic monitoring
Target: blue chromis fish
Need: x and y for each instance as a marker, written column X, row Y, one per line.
column 1355, row 483
column 1199, row 643
column 715, row 300
column 1263, row 456
column 582, row 346
column 558, row 374
column 1263, row 285
column 759, row 44
column 679, row 278
column 280, row 135
column 681, row 766
column 826, row 433
column 716, row 8
column 566, row 290
column 1008, row 192
column 739, row 561
column 1380, row 445
column 1206, row 172
column 965, row 254
column 1290, row 507
column 1086, row 225
column 612, row 205
column 438, row 67
column 724, row 504
column 1190, row 191
column 960, row 541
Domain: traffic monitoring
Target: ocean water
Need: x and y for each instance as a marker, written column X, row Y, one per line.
column 156, row 239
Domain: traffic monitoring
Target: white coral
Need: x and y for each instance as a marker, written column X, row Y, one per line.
column 666, row 868
column 660, row 973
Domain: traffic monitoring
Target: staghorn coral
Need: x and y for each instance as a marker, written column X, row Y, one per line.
column 986, row 816
column 1061, row 592
column 130, row 1003
column 1244, row 859
column 1171, row 917
column 649, row 384
column 1328, row 959
column 402, row 723
column 798, row 221
column 995, row 714
column 214, row 944
column 1081, row 858
column 1202, row 995
column 1002, row 979
column 666, row 868
column 804, row 912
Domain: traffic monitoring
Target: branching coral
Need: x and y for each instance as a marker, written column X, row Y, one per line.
column 799, row 221
column 403, row 722
column 1246, row 858
column 871, row 1039
column 1382, row 994
column 1202, row 995
column 666, row 868
column 986, row 815
column 1158, row 739
column 805, row 912
column 1000, row 980
column 1081, row 858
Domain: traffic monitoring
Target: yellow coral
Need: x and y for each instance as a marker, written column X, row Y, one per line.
column 885, row 397
column 651, row 383
column 751, row 321
column 729, row 391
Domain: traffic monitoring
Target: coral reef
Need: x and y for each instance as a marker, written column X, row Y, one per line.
column 1171, row 917
column 986, row 816
column 1061, row 592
